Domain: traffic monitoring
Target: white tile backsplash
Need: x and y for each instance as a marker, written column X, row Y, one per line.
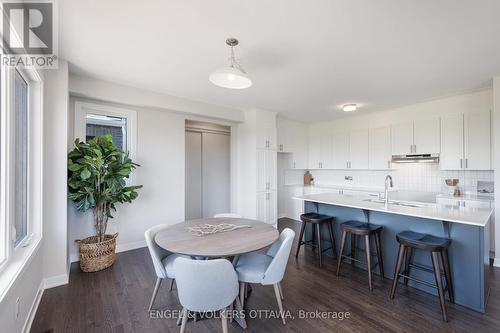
column 410, row 176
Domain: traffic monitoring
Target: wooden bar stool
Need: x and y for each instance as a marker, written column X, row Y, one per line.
column 437, row 246
column 356, row 228
column 316, row 221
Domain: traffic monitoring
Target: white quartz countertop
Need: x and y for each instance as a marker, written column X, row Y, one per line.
column 468, row 196
column 344, row 187
column 465, row 215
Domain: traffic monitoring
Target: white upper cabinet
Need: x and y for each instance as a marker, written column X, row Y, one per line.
column 326, row 151
column 339, row 152
column 402, row 138
column 266, row 130
column 320, row 151
column 358, row 149
column 292, row 138
column 266, row 136
column 299, row 144
column 314, row 151
column 380, row 148
column 285, row 136
column 477, row 140
column 420, row 136
column 452, row 142
column 466, row 141
column 426, row 136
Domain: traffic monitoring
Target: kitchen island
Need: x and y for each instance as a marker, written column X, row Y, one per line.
column 468, row 229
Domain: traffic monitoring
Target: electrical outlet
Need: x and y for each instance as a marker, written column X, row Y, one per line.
column 18, row 306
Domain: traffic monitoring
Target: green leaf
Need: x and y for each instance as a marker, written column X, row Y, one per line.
column 74, row 167
column 85, row 174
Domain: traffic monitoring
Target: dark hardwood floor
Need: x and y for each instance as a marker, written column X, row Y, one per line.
column 116, row 300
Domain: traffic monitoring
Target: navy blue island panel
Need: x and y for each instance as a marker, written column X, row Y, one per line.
column 468, row 252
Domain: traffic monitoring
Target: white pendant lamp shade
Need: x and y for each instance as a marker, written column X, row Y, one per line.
column 232, row 76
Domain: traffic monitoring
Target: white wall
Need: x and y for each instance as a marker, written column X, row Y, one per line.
column 160, row 152
column 111, row 92
column 246, row 165
column 55, row 166
column 496, row 163
column 28, row 287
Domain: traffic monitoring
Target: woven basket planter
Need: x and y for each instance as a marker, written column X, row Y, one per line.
column 96, row 256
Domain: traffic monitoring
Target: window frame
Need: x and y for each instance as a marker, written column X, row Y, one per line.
column 11, row 253
column 82, row 109
column 29, row 125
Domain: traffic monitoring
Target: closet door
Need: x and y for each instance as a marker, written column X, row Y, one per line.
column 216, row 173
column 193, row 179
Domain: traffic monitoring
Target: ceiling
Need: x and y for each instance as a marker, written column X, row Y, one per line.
column 305, row 58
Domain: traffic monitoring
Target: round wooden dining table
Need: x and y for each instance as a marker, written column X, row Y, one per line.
column 178, row 238
column 254, row 236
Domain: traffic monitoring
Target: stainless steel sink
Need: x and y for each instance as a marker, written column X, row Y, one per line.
column 399, row 203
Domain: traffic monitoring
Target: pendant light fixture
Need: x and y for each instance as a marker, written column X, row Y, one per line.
column 232, row 76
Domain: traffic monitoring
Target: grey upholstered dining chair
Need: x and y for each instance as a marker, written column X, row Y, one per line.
column 205, row 285
column 163, row 261
column 266, row 269
column 227, row 215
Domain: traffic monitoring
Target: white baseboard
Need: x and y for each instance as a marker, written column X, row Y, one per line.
column 55, row 281
column 496, row 262
column 34, row 308
column 74, row 257
column 130, row 246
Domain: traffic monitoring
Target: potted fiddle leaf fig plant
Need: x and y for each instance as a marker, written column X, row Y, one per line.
column 97, row 170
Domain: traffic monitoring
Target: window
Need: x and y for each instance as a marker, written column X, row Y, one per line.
column 21, row 158
column 97, row 125
column 93, row 119
column 20, row 169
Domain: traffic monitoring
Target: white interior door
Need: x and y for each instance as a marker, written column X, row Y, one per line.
column 193, row 180
column 215, row 173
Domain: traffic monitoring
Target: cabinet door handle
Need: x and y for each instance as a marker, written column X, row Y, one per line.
column 267, row 196
column 460, row 163
column 281, row 147
column 267, row 185
column 294, row 166
column 466, row 163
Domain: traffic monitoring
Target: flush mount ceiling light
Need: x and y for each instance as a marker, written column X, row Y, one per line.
column 349, row 107
column 232, row 76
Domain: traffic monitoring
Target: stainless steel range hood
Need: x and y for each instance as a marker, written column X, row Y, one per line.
column 416, row 158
